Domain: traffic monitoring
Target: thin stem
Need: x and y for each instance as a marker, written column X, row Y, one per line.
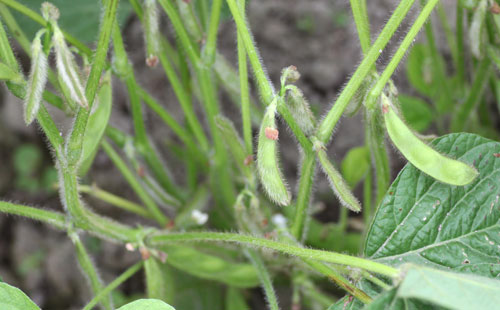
column 263, row 83
column 56, row 219
column 375, row 139
column 359, row 13
column 113, row 285
column 89, row 270
column 75, row 141
column 329, row 257
column 340, row 280
column 264, row 277
column 325, row 129
column 245, row 94
column 447, row 31
column 398, row 56
column 459, row 120
column 114, row 200
column 460, row 48
column 307, row 173
column 134, row 183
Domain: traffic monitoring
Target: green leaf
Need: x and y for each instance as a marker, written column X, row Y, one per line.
column 98, row 121
column 416, row 112
column 159, row 280
column 27, row 159
column 235, row 300
column 149, row 304
column 85, row 29
column 451, row 290
column 355, row 165
column 211, row 267
column 12, row 298
column 419, row 69
column 423, row 221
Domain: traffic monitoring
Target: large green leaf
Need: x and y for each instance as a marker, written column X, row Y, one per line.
column 147, row 304
column 425, row 222
column 451, row 290
column 79, row 18
column 12, row 298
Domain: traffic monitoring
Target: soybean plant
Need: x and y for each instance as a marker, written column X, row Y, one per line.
column 232, row 219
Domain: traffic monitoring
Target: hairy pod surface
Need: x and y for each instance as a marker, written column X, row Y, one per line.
column 422, row 156
column 267, row 160
column 37, row 80
column 337, row 182
column 301, row 112
column 67, row 68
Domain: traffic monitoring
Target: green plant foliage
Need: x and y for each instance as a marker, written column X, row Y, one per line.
column 85, row 29
column 211, row 267
column 426, row 222
column 150, row 304
column 419, row 69
column 98, row 121
column 417, row 113
column 451, row 290
column 355, row 165
column 12, row 298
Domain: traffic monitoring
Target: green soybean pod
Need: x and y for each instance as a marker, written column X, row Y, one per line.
column 337, row 182
column 37, row 80
column 267, row 159
column 422, row 156
column 301, row 112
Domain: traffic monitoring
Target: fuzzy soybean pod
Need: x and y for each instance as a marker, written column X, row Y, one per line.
column 267, row 159
column 37, row 79
column 67, row 68
column 422, row 156
column 337, row 182
column 301, row 112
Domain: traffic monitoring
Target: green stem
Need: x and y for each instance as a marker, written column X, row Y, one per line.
column 324, row 256
column 325, row 129
column 114, row 284
column 245, row 94
column 134, row 183
column 86, row 219
column 264, row 277
column 114, row 200
column 340, row 280
column 396, row 58
column 75, row 142
column 89, row 270
column 375, row 135
column 459, row 120
column 56, row 219
column 304, row 195
column 460, row 48
column 264, row 85
column 359, row 13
